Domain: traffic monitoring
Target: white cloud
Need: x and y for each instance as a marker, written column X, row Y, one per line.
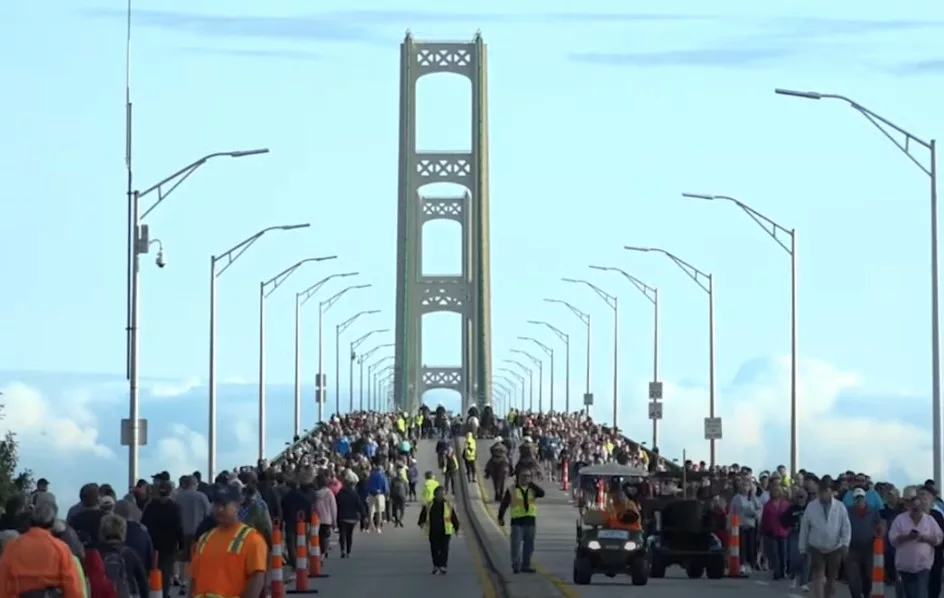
column 185, row 450
column 168, row 390
column 756, row 417
column 66, row 427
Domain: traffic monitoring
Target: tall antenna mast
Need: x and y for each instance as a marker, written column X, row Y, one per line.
column 132, row 226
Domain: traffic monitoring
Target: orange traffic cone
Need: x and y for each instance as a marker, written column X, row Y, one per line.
column 734, row 547
column 315, row 554
column 276, row 578
column 301, row 558
column 155, row 581
column 878, row 568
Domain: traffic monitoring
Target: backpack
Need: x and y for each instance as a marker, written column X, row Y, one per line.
column 116, row 570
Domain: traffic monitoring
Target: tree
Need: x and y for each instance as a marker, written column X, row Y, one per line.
column 11, row 481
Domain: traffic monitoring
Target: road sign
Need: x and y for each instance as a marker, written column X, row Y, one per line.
column 655, row 410
column 588, row 399
column 712, row 428
column 655, row 391
column 127, row 432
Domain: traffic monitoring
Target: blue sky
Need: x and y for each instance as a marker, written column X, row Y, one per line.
column 599, row 119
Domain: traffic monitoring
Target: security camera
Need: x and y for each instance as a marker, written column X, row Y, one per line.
column 159, row 260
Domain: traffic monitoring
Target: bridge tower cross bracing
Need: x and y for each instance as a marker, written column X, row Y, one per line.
column 467, row 293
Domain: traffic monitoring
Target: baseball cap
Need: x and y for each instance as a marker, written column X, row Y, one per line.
column 858, row 493
column 227, row 493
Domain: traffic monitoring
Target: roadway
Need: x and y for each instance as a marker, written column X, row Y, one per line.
column 397, row 562
column 554, row 552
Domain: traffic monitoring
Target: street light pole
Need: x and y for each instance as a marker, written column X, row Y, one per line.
column 323, row 308
column 585, row 318
column 338, row 330
column 371, row 374
column 566, row 338
column 613, row 303
column 354, row 345
column 527, row 371
column 706, row 283
column 775, row 231
column 230, row 256
column 652, row 294
column 266, row 288
column 540, row 365
column 550, row 354
column 888, row 128
column 517, row 376
column 300, row 300
column 138, row 244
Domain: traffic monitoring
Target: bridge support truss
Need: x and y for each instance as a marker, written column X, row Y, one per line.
column 467, row 293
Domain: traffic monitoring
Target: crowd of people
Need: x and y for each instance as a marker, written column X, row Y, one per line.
column 358, row 471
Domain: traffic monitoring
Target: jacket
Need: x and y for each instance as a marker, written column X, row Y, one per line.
column 326, row 506
column 377, row 483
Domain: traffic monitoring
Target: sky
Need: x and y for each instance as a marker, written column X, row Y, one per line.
column 599, row 120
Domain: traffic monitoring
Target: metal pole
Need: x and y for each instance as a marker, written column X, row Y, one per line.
column 935, row 321
column 531, row 390
column 211, row 378
column 360, row 384
column 711, row 359
column 541, row 387
column 794, row 433
column 655, row 360
column 133, row 382
column 370, row 382
column 615, row 363
column 552, row 381
column 586, row 408
column 262, row 395
column 337, row 370
column 319, row 387
column 350, row 381
column 523, row 392
column 298, row 374
column 567, row 374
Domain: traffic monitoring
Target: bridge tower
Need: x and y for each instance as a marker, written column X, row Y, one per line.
column 467, row 293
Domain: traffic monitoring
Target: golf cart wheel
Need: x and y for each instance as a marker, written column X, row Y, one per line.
column 583, row 571
column 714, row 569
column 656, row 567
column 694, row 570
column 639, row 572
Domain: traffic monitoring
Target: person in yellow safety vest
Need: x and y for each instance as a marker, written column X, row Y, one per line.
column 450, row 469
column 522, row 500
column 401, row 425
column 621, row 512
column 439, row 522
column 429, row 487
column 230, row 560
column 418, row 424
column 468, row 457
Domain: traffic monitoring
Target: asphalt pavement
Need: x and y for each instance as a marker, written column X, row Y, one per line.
column 556, row 541
column 397, row 562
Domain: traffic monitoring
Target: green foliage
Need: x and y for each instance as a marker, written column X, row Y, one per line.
column 11, row 481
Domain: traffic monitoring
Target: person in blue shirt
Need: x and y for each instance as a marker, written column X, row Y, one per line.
column 370, row 449
column 873, row 499
column 378, row 488
column 343, row 446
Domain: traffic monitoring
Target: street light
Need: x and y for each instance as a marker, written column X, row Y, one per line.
column 230, row 256
column 585, row 318
column 379, row 377
column 530, row 374
column 652, row 294
column 300, row 299
column 265, row 289
column 613, row 303
column 706, row 283
column 354, row 345
column 776, row 232
column 517, row 377
column 323, row 308
column 566, row 338
column 550, row 354
column 338, row 330
column 370, row 375
column 360, row 362
column 138, row 243
column 540, row 364
column 887, row 128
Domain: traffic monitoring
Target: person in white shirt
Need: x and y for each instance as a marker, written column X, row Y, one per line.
column 825, row 534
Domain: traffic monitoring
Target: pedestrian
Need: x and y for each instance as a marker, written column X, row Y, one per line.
column 439, row 522
column 825, row 534
column 865, row 523
column 377, row 491
column 351, row 510
column 521, row 499
column 914, row 534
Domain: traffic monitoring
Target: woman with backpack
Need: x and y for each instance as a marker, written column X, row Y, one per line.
column 98, row 583
column 122, row 566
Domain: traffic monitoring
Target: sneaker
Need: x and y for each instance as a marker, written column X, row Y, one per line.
column 442, row 570
column 805, row 588
column 343, row 555
column 793, row 584
column 435, row 571
column 528, row 570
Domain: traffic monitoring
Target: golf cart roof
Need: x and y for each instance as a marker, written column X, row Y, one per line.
column 613, row 470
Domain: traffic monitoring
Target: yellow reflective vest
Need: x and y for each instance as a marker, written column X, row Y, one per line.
column 469, row 453
column 429, row 488
column 447, row 518
column 518, row 509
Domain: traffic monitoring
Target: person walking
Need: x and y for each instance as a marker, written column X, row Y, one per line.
column 522, row 500
column 825, row 534
column 914, row 534
column 439, row 522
